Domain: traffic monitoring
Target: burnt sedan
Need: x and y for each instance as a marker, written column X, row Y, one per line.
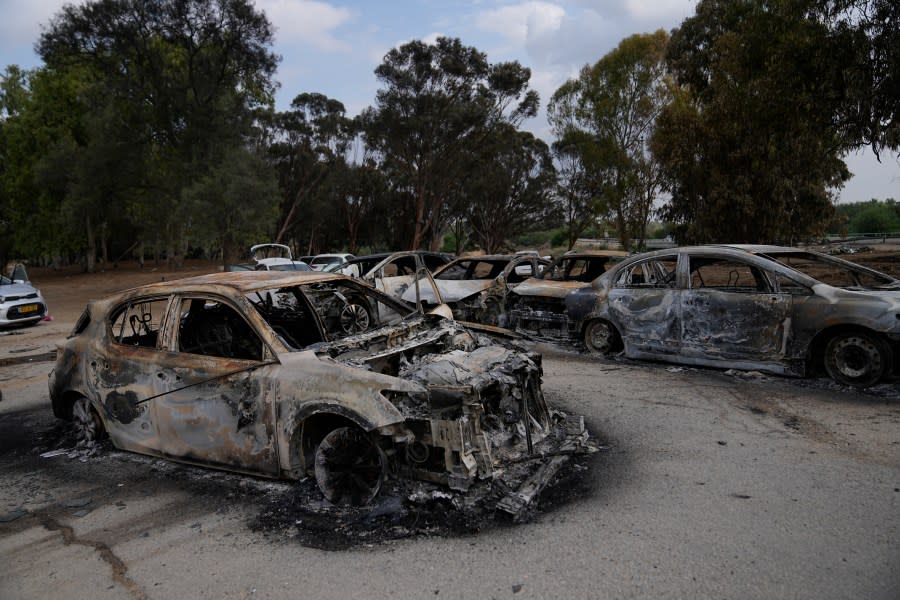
column 293, row 374
column 537, row 306
column 476, row 288
column 745, row 307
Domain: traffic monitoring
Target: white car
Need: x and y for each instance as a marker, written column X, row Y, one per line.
column 20, row 302
column 321, row 262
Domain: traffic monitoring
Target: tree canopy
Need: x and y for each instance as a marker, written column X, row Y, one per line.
column 436, row 102
column 153, row 123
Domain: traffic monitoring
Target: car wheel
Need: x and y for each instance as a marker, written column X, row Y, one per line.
column 857, row 358
column 349, row 467
column 354, row 318
column 601, row 337
column 85, row 421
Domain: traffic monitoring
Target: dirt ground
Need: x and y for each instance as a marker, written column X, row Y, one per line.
column 710, row 484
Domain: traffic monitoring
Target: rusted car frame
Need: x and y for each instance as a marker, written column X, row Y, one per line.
column 292, row 374
column 737, row 307
column 476, row 287
column 537, row 306
column 394, row 272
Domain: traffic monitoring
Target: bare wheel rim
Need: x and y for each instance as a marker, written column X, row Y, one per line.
column 84, row 421
column 354, row 318
column 600, row 337
column 350, row 468
column 854, row 359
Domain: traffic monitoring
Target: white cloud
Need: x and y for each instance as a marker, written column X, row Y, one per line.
column 21, row 24
column 522, row 22
column 307, row 22
column 432, row 37
column 660, row 10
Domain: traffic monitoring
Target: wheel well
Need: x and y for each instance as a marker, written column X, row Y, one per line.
column 309, row 433
column 63, row 407
column 817, row 345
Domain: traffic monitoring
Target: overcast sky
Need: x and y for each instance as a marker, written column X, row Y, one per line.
column 333, row 47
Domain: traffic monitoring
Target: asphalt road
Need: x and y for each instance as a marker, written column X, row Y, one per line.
column 713, row 486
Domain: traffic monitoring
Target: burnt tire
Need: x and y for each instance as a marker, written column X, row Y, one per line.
column 350, row 468
column 857, row 358
column 86, row 422
column 601, row 337
column 354, row 317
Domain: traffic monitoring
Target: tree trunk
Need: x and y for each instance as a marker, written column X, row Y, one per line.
column 140, row 254
column 420, row 225
column 104, row 234
column 91, row 255
column 230, row 251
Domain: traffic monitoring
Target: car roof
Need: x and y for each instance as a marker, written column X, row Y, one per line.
column 721, row 250
column 762, row 248
column 590, row 253
column 241, row 281
column 493, row 257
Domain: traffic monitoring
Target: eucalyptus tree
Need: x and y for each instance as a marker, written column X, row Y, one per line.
column 510, row 187
column 436, row 102
column 304, row 145
column 753, row 144
column 606, row 115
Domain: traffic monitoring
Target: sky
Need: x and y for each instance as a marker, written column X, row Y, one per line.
column 332, row 48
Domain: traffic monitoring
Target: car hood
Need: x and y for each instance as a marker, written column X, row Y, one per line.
column 18, row 289
column 547, row 288
column 451, row 290
column 890, row 299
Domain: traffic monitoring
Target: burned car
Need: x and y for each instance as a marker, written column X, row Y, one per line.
column 744, row 307
column 294, row 374
column 20, row 302
column 537, row 306
column 394, row 272
column 476, row 288
column 270, row 257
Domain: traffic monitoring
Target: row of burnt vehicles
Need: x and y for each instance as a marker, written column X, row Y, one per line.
column 770, row 308
column 355, row 380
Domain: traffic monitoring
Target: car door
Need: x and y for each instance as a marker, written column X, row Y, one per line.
column 395, row 276
column 215, row 404
column 731, row 311
column 122, row 368
column 643, row 304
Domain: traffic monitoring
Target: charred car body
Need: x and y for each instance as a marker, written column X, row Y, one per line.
column 744, row 307
column 394, row 272
column 537, row 306
column 476, row 288
column 290, row 374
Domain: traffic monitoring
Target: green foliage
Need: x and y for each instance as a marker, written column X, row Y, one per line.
column 874, row 216
column 603, row 120
column 152, row 95
column 749, row 144
column 508, row 187
column 234, row 205
column 438, row 103
column 304, row 146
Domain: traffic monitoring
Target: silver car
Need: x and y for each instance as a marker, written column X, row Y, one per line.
column 746, row 307
column 20, row 302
